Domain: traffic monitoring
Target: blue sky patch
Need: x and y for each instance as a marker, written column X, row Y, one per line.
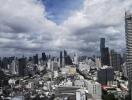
column 60, row 10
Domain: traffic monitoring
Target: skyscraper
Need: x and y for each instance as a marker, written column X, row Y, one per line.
column 61, row 59
column 36, row 59
column 105, row 75
column 105, row 56
column 102, row 43
column 22, row 66
column 67, row 59
column 105, row 59
column 115, row 59
column 128, row 31
column 14, row 67
column 44, row 58
column 76, row 59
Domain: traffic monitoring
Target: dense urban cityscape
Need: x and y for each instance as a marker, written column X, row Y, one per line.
column 67, row 77
column 65, row 50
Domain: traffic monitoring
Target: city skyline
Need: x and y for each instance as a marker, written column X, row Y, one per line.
column 33, row 26
column 65, row 50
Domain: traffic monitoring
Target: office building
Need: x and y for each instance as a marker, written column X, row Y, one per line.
column 67, row 59
column 105, row 58
column 105, row 75
column 124, row 70
column 44, row 58
column 76, row 59
column 98, row 63
column 94, row 88
column 128, row 32
column 22, row 66
column 102, row 43
column 35, row 58
column 14, row 67
column 4, row 63
column 115, row 60
column 61, row 59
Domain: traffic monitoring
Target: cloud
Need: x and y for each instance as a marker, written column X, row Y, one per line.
column 97, row 19
column 25, row 28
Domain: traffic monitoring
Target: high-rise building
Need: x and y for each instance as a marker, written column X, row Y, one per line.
column 76, row 59
column 67, row 59
column 61, row 59
column 4, row 63
column 22, row 66
column 65, row 53
column 14, row 67
column 105, row 75
column 36, row 59
column 98, row 63
column 105, row 59
column 102, row 43
column 124, row 70
column 128, row 32
column 44, row 58
column 30, row 59
column 115, row 60
column 49, row 64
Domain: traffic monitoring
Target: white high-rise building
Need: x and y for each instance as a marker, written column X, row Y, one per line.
column 94, row 88
column 98, row 62
column 76, row 59
column 128, row 31
column 14, row 67
column 124, row 69
column 49, row 64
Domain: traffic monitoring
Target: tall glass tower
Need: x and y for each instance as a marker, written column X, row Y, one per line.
column 105, row 59
column 128, row 32
column 102, row 43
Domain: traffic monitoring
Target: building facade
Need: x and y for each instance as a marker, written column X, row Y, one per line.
column 105, row 75
column 105, row 58
column 22, row 66
column 115, row 60
column 94, row 88
column 128, row 33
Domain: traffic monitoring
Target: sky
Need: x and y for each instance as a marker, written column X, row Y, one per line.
column 33, row 26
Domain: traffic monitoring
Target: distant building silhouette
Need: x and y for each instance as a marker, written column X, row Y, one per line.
column 61, row 59
column 44, row 58
column 105, row 58
column 22, row 66
column 4, row 63
column 67, row 59
column 35, row 59
column 3, row 79
column 102, row 43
